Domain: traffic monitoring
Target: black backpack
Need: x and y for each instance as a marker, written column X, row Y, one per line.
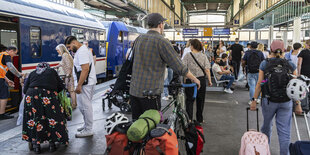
column 277, row 76
column 253, row 62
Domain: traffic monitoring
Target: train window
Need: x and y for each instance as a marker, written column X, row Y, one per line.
column 35, row 42
column 120, row 37
column 78, row 33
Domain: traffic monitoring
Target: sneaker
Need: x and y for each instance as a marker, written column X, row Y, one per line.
column 84, row 133
column 5, row 116
column 80, row 129
column 229, row 91
column 165, row 98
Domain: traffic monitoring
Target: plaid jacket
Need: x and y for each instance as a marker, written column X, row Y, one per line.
column 152, row 53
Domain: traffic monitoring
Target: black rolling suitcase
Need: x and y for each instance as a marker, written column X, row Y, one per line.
column 300, row 147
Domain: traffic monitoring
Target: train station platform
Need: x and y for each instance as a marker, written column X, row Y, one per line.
column 224, row 115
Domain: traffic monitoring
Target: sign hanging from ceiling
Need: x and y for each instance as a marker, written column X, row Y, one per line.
column 190, row 31
column 207, row 32
column 225, row 31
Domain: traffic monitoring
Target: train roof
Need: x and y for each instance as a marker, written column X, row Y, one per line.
column 46, row 10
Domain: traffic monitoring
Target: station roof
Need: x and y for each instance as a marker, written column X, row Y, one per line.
column 48, row 11
column 205, row 6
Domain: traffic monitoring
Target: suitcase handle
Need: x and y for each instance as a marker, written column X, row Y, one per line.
column 296, row 125
column 247, row 118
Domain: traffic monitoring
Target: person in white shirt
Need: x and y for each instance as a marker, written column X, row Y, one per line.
column 292, row 55
column 84, row 74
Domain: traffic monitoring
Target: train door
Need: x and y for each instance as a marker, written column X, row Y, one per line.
column 9, row 34
column 119, row 52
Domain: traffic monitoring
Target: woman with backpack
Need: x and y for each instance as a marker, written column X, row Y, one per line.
column 199, row 65
column 275, row 102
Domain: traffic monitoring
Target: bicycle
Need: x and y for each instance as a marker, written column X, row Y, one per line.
column 178, row 120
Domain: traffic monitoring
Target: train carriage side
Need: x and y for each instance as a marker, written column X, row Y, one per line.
column 117, row 47
column 37, row 29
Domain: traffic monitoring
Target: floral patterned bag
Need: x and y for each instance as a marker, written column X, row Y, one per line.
column 66, row 104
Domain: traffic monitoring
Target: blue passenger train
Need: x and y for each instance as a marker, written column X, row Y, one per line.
column 37, row 27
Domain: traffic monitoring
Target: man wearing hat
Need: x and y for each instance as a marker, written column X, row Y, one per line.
column 252, row 60
column 152, row 53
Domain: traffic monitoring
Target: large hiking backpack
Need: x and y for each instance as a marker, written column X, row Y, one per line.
column 277, row 76
column 117, row 142
column 164, row 141
column 194, row 138
column 253, row 62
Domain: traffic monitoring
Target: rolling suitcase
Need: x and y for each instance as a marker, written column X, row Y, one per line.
column 300, row 147
column 254, row 142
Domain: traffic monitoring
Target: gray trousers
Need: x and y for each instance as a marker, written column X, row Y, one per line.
column 85, row 105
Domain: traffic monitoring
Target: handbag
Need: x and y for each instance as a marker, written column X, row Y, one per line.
column 204, row 73
column 65, row 102
column 78, row 74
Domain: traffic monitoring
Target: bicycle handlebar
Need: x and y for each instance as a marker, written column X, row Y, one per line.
column 194, row 85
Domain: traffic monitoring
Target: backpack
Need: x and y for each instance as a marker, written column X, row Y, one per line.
column 117, row 142
column 277, row 76
column 164, row 141
column 194, row 138
column 253, row 62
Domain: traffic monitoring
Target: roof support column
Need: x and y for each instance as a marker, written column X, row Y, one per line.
column 270, row 39
column 78, row 4
column 297, row 30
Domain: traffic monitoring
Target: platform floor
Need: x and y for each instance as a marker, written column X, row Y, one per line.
column 225, row 116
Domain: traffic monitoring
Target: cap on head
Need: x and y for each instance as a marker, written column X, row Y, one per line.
column 154, row 19
column 254, row 44
column 277, row 45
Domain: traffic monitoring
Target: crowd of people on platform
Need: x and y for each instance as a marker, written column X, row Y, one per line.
column 44, row 119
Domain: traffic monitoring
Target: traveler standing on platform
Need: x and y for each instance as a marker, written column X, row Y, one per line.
column 187, row 49
column 222, row 75
column 281, row 107
column 6, row 64
column 222, row 48
column 44, row 118
column 252, row 60
column 152, row 54
column 67, row 66
column 199, row 65
column 248, row 47
column 84, row 74
column 293, row 55
column 304, row 61
column 236, row 54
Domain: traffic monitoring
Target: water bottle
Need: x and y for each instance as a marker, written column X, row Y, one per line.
column 181, row 99
column 171, row 120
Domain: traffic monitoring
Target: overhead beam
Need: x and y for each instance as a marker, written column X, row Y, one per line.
column 206, row 11
column 198, row 26
column 205, row 1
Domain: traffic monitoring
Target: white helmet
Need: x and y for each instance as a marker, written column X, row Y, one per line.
column 297, row 89
column 113, row 120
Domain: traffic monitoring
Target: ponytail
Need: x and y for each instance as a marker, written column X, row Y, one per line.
column 277, row 53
